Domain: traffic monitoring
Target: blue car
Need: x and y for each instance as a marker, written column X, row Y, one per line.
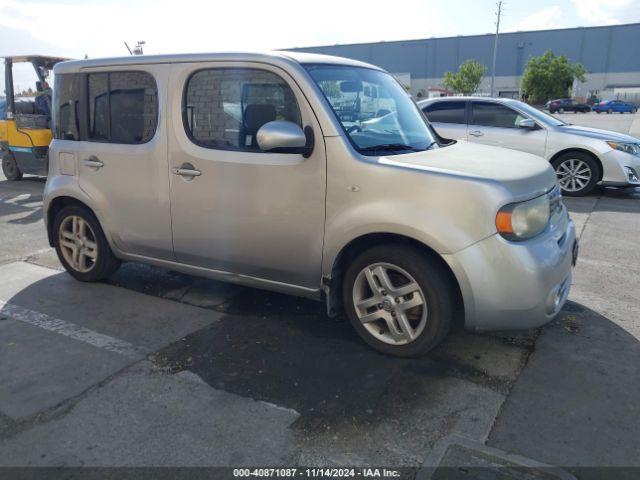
column 617, row 106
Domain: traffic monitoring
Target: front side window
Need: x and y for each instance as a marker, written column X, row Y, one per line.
column 376, row 113
column 66, row 106
column 225, row 107
column 123, row 107
column 446, row 112
column 490, row 114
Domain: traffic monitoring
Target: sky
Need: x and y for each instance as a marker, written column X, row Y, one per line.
column 99, row 28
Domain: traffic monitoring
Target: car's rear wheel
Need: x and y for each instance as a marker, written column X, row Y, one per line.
column 10, row 167
column 398, row 299
column 577, row 173
column 81, row 245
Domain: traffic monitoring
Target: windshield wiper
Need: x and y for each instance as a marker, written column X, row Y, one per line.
column 391, row 147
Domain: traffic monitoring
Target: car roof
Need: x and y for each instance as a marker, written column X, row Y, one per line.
column 286, row 56
column 428, row 101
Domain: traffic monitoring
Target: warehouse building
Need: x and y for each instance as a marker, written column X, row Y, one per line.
column 609, row 53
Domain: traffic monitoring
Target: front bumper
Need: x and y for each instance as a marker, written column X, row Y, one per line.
column 615, row 168
column 516, row 285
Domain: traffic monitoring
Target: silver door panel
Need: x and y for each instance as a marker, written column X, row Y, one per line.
column 254, row 214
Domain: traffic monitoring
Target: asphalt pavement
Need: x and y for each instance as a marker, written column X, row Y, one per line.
column 156, row 368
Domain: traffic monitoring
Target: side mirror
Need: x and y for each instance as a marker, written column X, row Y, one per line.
column 281, row 136
column 527, row 123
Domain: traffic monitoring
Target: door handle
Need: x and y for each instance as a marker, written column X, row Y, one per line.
column 187, row 171
column 93, row 162
column 476, row 133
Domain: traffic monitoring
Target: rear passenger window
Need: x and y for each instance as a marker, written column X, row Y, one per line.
column 66, row 107
column 494, row 115
column 446, row 112
column 123, row 107
column 225, row 107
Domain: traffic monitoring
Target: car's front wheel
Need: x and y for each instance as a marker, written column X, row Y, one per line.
column 81, row 245
column 577, row 173
column 398, row 299
column 10, row 168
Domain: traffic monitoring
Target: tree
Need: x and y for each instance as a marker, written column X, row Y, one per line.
column 331, row 89
column 549, row 76
column 467, row 79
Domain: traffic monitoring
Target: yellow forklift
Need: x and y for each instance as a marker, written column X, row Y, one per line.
column 25, row 124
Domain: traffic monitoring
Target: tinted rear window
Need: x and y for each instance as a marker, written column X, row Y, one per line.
column 123, row 107
column 445, row 112
column 66, row 107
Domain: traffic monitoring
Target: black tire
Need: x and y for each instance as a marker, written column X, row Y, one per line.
column 434, row 283
column 10, row 167
column 634, row 110
column 598, row 112
column 593, row 165
column 105, row 264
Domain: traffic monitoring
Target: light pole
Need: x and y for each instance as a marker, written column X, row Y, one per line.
column 495, row 48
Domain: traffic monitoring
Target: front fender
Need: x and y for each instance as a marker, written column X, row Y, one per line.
column 439, row 229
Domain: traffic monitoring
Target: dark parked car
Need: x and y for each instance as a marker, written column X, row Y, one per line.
column 567, row 105
column 617, row 106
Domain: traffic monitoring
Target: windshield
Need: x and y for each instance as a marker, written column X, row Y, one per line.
column 374, row 110
column 540, row 115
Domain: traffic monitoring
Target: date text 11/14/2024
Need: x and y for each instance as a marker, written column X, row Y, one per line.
column 318, row 472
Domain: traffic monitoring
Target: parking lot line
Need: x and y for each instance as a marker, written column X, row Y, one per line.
column 72, row 330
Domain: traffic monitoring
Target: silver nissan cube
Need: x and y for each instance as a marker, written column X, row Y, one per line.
column 305, row 174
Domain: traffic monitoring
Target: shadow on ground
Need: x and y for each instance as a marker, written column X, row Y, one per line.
column 575, row 404
column 285, row 350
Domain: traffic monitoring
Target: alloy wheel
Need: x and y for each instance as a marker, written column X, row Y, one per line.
column 390, row 303
column 78, row 243
column 573, row 174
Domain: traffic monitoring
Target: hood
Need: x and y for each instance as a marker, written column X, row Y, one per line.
column 523, row 174
column 596, row 133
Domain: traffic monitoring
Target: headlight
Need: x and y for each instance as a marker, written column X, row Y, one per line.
column 524, row 220
column 632, row 148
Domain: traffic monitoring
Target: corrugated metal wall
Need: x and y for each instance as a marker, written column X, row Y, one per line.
column 609, row 49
